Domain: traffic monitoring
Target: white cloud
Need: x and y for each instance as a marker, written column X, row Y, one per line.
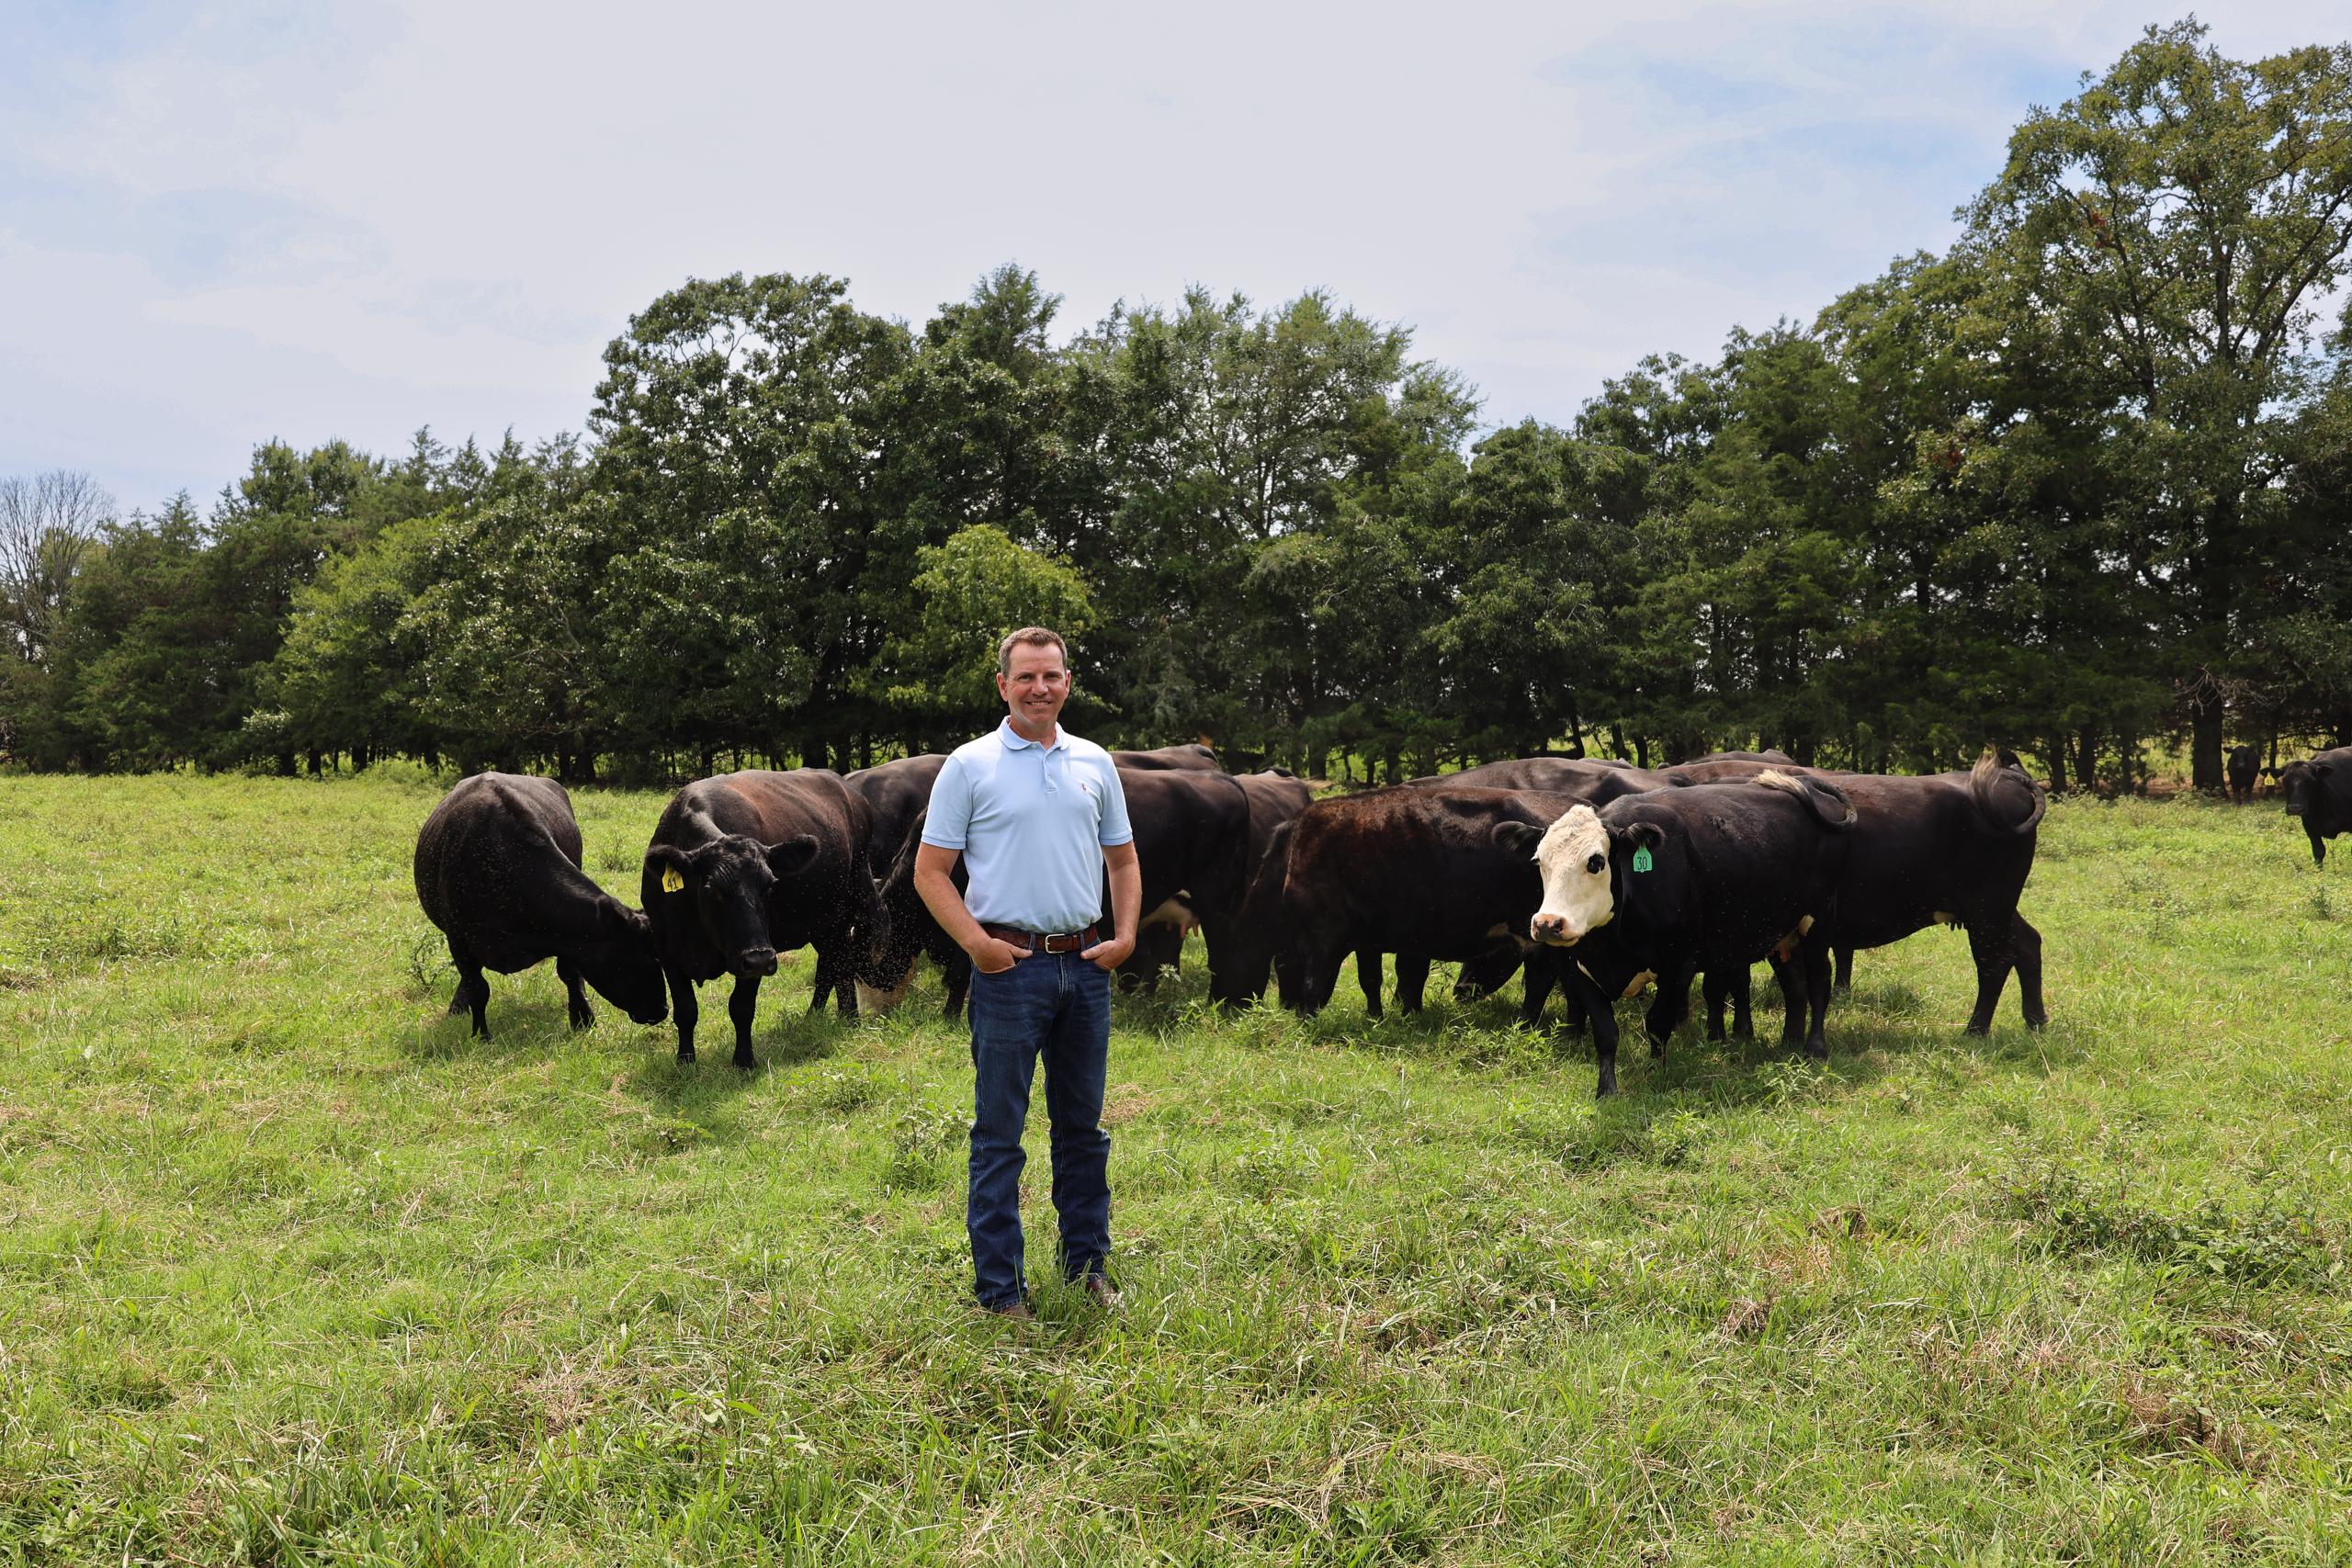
column 340, row 219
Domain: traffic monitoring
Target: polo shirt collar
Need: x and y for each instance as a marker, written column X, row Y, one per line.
column 1014, row 741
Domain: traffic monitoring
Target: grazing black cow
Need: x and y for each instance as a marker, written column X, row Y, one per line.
column 2244, row 766
column 1191, row 830
column 897, row 792
column 1194, row 759
column 1275, row 797
column 1659, row 887
column 915, row 934
column 1949, row 848
column 498, row 870
column 746, row 865
column 1402, row 870
column 2319, row 792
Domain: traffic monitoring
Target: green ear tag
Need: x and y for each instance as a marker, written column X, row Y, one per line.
column 1642, row 859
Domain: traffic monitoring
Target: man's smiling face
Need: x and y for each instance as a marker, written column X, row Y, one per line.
column 1034, row 689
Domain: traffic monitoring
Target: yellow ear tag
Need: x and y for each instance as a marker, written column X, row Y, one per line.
column 671, row 881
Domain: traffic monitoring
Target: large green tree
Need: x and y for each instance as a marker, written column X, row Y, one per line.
column 738, row 426
column 2188, row 215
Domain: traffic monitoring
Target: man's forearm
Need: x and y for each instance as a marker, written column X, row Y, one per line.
column 1126, row 899
column 937, row 891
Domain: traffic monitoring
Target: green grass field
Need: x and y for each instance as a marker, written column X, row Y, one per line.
column 292, row 1270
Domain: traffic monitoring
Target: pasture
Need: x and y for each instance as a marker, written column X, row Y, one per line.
column 291, row 1270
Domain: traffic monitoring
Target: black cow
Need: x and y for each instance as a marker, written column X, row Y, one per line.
column 1659, row 887
column 1193, row 759
column 2244, row 766
column 1595, row 781
column 2319, row 791
column 1192, row 836
column 746, row 865
column 1403, row 870
column 498, row 870
column 1275, row 797
column 1946, row 849
column 898, row 792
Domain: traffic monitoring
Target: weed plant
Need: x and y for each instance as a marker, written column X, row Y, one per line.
column 293, row 1271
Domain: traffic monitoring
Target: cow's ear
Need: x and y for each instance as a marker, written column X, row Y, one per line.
column 793, row 856
column 1518, row 838
column 1644, row 836
column 2323, row 768
column 665, row 869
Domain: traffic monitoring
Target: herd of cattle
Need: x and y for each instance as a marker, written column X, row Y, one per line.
column 1596, row 878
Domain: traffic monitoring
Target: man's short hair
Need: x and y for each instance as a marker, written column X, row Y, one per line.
column 1030, row 636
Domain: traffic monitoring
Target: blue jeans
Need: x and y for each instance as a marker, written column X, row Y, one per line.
column 1056, row 1005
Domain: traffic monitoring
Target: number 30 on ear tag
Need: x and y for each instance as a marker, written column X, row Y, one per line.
column 1641, row 860
column 671, row 881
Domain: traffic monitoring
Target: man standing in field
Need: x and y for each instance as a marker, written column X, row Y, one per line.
column 1037, row 814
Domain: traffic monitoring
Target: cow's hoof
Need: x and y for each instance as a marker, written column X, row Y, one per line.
column 746, row 1062
column 685, row 1055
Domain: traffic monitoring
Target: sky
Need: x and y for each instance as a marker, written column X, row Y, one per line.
column 224, row 224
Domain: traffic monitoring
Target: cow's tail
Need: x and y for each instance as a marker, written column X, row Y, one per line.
column 1998, row 816
column 1828, row 802
column 1270, row 874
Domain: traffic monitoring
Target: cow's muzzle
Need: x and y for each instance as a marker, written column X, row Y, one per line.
column 1553, row 931
column 752, row 960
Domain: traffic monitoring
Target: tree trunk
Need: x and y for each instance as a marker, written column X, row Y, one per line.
column 2058, row 766
column 2205, row 742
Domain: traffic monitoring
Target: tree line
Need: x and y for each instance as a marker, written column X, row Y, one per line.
column 2078, row 485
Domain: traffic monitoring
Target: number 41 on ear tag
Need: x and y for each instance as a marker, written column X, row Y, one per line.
column 671, row 881
column 1642, row 859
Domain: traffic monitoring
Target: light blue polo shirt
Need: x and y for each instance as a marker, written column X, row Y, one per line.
column 1032, row 822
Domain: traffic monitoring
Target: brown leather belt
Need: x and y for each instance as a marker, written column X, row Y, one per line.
column 1043, row 942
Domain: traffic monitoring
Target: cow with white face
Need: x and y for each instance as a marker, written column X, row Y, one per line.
column 1579, row 877
column 1655, row 887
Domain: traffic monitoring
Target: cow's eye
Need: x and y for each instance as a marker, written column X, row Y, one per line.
column 1594, row 865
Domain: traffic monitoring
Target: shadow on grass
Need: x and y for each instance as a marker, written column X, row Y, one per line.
column 520, row 1025
column 1871, row 1032
column 786, row 1037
